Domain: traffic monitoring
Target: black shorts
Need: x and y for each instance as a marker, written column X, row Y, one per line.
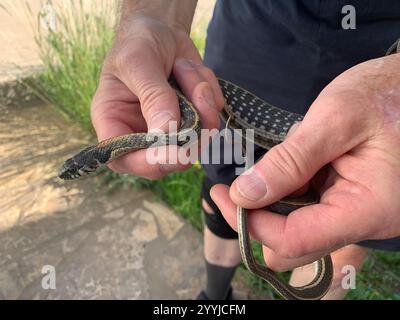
column 286, row 52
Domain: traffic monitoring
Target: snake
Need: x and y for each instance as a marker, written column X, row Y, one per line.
column 242, row 110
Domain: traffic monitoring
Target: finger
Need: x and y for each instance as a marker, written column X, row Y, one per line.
column 143, row 73
column 220, row 195
column 280, row 264
column 302, row 190
column 293, row 129
column 151, row 170
column 201, row 96
column 273, row 260
column 210, row 77
column 319, row 139
column 188, row 77
column 308, row 230
column 115, row 112
column 193, row 56
column 198, row 90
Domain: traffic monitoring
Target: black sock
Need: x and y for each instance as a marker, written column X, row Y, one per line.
column 218, row 281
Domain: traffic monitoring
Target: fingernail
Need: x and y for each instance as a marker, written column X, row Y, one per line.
column 184, row 63
column 159, row 120
column 251, row 186
column 208, row 95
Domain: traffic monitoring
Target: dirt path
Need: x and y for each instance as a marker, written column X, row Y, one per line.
column 120, row 246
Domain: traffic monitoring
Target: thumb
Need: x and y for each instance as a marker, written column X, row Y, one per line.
column 290, row 165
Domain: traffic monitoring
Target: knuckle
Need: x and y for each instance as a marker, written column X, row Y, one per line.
column 151, row 93
column 289, row 160
column 108, row 63
column 207, row 72
column 291, row 246
column 290, row 251
column 97, row 112
column 99, row 100
column 276, row 264
column 95, row 105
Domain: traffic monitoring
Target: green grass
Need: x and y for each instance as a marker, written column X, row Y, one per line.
column 73, row 56
column 379, row 278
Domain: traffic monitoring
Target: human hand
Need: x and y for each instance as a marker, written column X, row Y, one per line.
column 353, row 125
column 134, row 95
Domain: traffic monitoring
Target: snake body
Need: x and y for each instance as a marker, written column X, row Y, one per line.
column 242, row 110
column 91, row 158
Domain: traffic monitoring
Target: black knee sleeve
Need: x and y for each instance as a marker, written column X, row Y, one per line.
column 215, row 221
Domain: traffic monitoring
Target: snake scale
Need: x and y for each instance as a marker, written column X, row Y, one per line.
column 242, row 110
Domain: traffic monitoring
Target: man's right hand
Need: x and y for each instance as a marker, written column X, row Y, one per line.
column 134, row 95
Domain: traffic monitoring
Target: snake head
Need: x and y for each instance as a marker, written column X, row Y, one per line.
column 69, row 170
column 80, row 165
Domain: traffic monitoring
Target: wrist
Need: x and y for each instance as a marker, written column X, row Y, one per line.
column 175, row 14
